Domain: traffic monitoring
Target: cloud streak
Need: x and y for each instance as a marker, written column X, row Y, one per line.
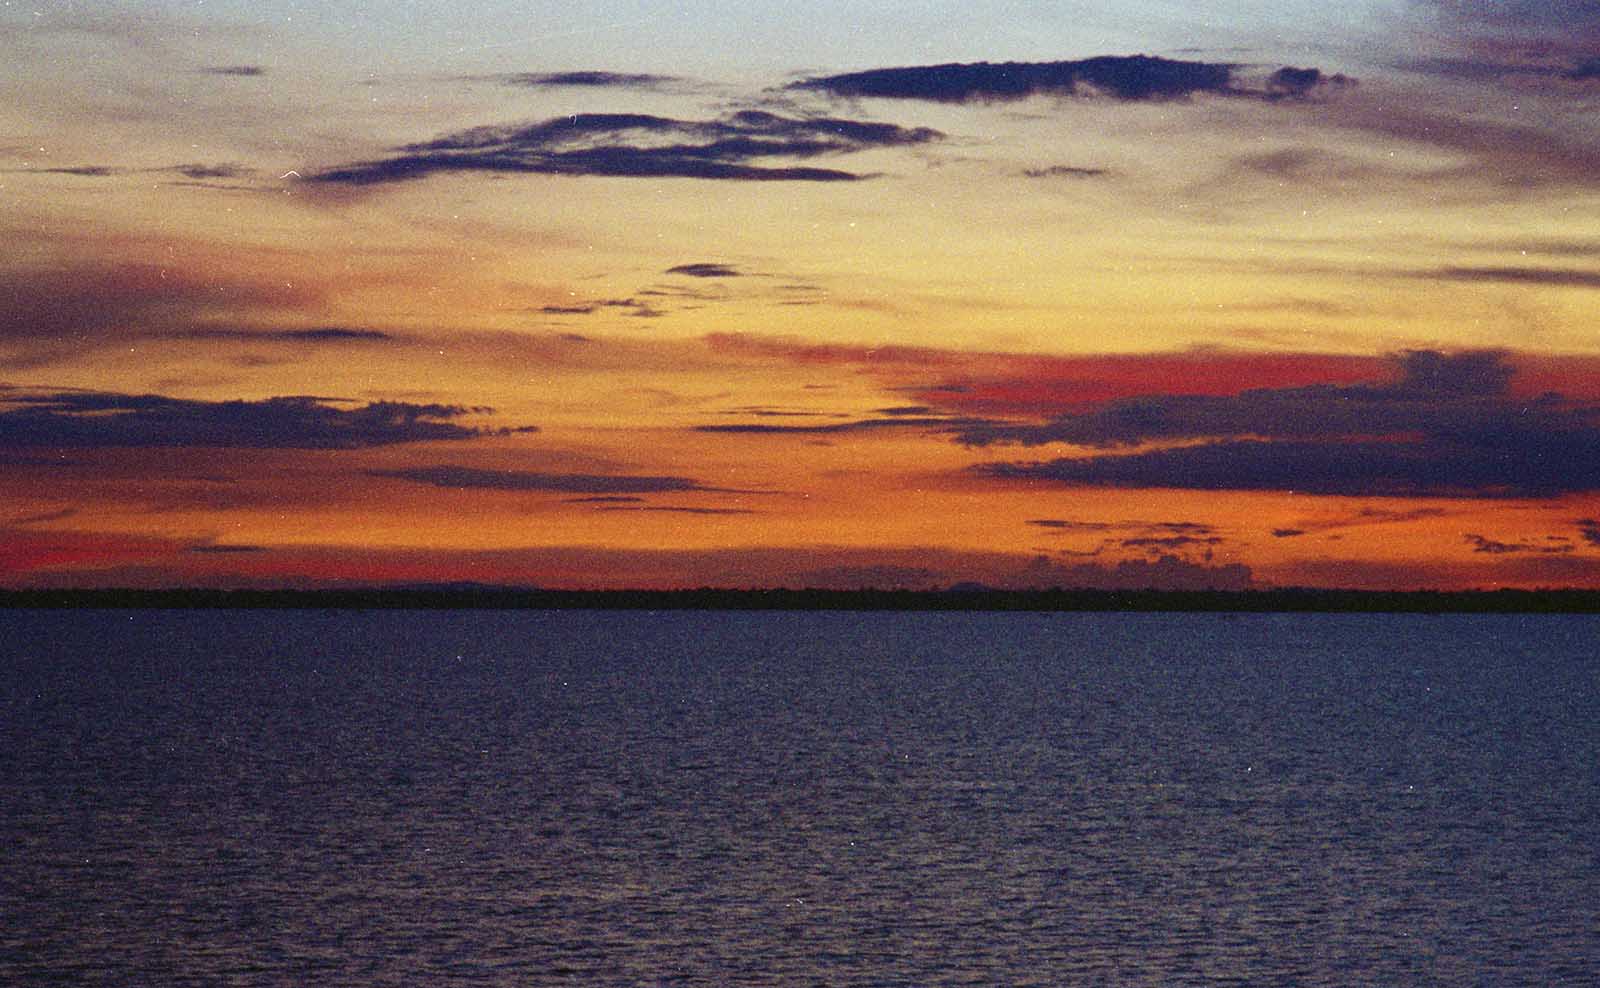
column 677, row 509
column 325, row 334
column 582, row 79
column 1547, row 277
column 81, row 171
column 462, row 478
column 931, row 423
column 706, row 269
column 737, row 147
column 1122, row 77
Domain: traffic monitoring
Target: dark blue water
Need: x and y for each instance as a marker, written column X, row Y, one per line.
column 286, row 798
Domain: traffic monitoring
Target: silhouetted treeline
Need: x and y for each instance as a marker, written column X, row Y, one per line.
column 509, row 598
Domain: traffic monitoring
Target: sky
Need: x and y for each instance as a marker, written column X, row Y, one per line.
column 831, row 294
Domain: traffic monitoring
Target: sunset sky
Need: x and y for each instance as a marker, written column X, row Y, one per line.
column 632, row 294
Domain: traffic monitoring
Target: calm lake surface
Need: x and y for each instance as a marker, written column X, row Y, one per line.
column 730, row 799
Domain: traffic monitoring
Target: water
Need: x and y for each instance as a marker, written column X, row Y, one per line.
column 677, row 799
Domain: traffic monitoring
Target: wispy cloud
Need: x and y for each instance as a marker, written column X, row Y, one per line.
column 1361, row 518
column 1515, row 157
column 1549, row 545
column 632, row 306
column 1164, row 542
column 1141, row 537
column 81, row 171
column 1530, row 32
column 1062, row 525
column 200, row 172
column 43, row 518
column 1527, row 64
column 82, row 302
column 24, row 551
column 1064, row 171
column 736, row 147
column 195, row 171
column 1524, row 45
column 194, row 174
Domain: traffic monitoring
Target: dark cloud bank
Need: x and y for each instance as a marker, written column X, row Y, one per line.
column 1446, row 428
column 1129, row 77
column 92, row 419
column 736, row 147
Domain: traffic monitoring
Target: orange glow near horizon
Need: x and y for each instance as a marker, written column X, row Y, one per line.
column 686, row 325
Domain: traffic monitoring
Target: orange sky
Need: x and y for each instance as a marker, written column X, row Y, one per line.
column 1282, row 300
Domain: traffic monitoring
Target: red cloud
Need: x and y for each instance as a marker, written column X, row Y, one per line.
column 1044, row 385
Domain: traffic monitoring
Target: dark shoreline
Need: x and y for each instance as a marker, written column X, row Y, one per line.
column 497, row 598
